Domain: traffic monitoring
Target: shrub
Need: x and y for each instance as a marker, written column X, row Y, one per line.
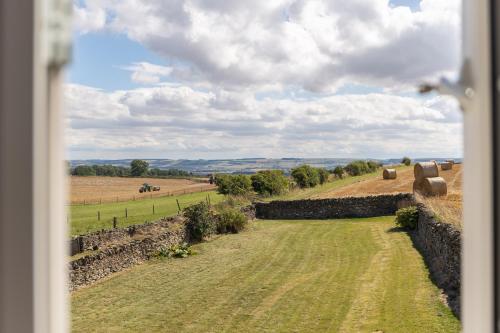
column 407, row 217
column 357, row 168
column 270, row 182
column 406, row 161
column 200, row 221
column 230, row 220
column 373, row 166
column 323, row 175
column 306, row 176
column 233, row 184
column 338, row 171
column 176, row 251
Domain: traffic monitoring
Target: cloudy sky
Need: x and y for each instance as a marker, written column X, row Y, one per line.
column 281, row 78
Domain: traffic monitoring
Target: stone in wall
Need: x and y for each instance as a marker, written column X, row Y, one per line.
column 350, row 207
column 440, row 245
column 122, row 253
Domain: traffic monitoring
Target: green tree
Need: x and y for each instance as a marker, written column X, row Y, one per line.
column 323, row 175
column 270, row 182
column 357, row 168
column 406, row 161
column 306, row 176
column 338, row 171
column 138, row 168
column 373, row 166
column 233, row 184
column 83, row 170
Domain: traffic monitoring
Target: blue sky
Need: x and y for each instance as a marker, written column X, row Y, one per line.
column 229, row 80
column 99, row 58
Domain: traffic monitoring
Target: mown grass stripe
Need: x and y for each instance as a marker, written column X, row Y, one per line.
column 279, row 276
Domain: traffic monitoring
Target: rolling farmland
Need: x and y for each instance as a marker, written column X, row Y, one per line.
column 85, row 190
column 88, row 218
column 403, row 183
column 448, row 208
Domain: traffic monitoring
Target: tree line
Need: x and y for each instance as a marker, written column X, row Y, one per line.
column 275, row 182
column 138, row 168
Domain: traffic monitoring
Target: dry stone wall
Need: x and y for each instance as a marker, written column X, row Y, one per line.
column 120, row 249
column 350, row 207
column 440, row 245
column 438, row 242
column 103, row 238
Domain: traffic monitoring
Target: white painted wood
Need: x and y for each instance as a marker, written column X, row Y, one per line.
column 477, row 250
column 33, row 290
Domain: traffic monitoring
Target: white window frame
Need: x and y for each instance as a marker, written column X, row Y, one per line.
column 33, row 238
column 33, row 295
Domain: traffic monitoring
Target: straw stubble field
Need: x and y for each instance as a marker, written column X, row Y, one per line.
column 448, row 208
column 108, row 189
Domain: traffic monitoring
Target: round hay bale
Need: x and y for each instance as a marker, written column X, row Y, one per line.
column 425, row 170
column 446, row 166
column 434, row 186
column 389, row 174
column 450, row 161
column 417, row 186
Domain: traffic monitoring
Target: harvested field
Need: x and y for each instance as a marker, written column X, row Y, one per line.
column 448, row 208
column 403, row 183
column 108, row 189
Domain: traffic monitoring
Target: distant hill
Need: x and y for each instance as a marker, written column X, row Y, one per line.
column 243, row 165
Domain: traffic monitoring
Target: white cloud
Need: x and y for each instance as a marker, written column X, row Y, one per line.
column 90, row 18
column 179, row 122
column 314, row 44
column 222, row 54
column 147, row 73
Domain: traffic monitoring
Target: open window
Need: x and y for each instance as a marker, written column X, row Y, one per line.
column 34, row 46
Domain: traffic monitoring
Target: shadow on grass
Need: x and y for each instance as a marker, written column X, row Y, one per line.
column 397, row 229
column 452, row 297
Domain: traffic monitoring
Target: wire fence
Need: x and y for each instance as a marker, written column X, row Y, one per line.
column 112, row 217
column 141, row 196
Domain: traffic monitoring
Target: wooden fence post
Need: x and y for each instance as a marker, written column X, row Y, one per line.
column 126, row 212
column 115, row 222
column 178, row 205
column 153, row 209
column 98, row 215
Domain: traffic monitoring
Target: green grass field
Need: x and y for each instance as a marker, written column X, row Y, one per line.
column 355, row 275
column 83, row 218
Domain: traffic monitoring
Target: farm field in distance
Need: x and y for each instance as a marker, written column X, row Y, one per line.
column 279, row 276
column 448, row 208
column 403, row 183
column 84, row 218
column 94, row 189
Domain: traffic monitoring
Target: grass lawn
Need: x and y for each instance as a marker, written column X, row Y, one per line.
column 334, row 184
column 83, row 218
column 279, row 276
